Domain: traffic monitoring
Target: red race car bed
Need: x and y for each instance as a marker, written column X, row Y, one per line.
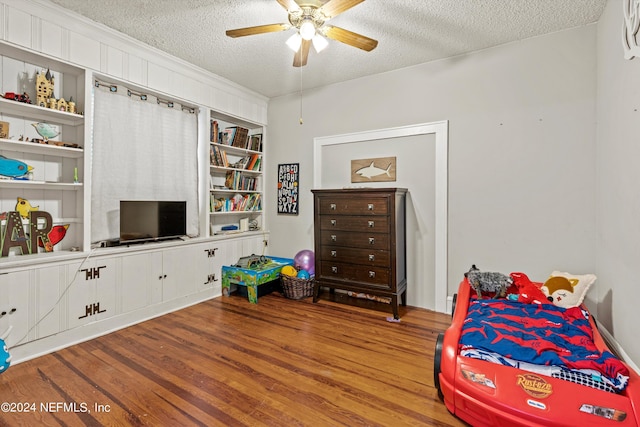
column 509, row 363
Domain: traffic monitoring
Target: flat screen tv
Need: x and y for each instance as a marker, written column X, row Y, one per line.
column 148, row 220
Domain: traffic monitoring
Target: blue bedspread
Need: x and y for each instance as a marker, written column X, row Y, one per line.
column 539, row 334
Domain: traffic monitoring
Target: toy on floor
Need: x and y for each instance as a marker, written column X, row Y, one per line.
column 487, row 281
column 5, row 357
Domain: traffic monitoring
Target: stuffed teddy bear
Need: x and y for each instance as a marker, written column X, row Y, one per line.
column 528, row 291
column 488, row 281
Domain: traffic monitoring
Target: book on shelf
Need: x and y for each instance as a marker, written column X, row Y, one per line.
column 238, row 203
column 214, row 131
column 240, row 137
column 217, row 156
column 241, row 163
column 227, row 136
column 235, row 180
column 255, row 142
column 253, row 161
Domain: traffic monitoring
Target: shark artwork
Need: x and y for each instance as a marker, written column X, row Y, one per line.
column 365, row 170
column 372, row 170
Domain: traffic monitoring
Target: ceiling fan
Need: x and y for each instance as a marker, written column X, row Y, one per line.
column 309, row 18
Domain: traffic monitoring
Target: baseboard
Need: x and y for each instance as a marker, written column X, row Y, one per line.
column 70, row 337
column 449, row 304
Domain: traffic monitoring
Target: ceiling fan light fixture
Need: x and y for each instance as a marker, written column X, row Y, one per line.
column 294, row 42
column 307, row 29
column 319, row 43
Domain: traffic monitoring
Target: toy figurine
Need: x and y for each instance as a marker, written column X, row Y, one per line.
column 5, row 357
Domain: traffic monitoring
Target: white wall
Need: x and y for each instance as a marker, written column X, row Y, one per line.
column 521, row 150
column 618, row 187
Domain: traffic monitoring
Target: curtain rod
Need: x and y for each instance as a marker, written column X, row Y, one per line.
column 143, row 97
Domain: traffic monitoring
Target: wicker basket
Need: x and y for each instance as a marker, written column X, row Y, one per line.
column 295, row 287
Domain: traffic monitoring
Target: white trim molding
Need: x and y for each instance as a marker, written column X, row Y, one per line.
column 441, row 132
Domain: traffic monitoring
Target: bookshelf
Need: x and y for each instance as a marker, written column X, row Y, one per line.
column 235, row 175
column 55, row 184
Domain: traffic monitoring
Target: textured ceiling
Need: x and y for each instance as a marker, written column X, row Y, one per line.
column 409, row 32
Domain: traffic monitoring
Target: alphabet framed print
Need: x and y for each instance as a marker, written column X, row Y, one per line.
column 288, row 188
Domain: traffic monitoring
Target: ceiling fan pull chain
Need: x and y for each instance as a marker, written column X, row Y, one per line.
column 300, row 95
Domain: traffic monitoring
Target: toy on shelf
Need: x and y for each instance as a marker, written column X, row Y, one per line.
column 46, row 130
column 13, row 168
column 20, row 97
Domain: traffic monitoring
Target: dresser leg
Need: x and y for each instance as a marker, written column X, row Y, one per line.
column 394, row 306
column 403, row 298
column 316, row 291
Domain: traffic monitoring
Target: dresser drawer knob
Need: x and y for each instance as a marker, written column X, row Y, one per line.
column 334, row 254
column 334, row 269
column 334, row 222
column 332, row 206
column 370, row 206
column 372, row 274
column 371, row 224
column 372, row 257
column 334, row 238
column 372, row 240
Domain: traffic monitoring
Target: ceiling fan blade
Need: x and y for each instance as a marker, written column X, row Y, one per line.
column 289, row 5
column 350, row 38
column 336, row 7
column 300, row 58
column 260, row 29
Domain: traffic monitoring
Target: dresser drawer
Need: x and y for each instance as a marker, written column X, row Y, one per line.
column 353, row 206
column 354, row 239
column 355, row 223
column 373, row 257
column 336, row 271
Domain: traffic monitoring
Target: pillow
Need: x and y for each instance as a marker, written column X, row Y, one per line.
column 567, row 290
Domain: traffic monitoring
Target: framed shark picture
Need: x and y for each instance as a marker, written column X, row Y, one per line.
column 381, row 169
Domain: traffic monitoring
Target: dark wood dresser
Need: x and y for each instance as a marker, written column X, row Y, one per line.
column 360, row 242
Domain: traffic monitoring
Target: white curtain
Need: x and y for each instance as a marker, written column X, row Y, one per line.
column 142, row 150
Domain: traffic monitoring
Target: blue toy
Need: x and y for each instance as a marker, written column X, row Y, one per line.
column 5, row 357
column 13, row 168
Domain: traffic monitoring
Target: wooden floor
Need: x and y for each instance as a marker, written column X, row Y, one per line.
column 226, row 362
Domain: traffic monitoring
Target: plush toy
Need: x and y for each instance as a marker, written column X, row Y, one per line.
column 528, row 292
column 567, row 290
column 486, row 281
column 5, row 357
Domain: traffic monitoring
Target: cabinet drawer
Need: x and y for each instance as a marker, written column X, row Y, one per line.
column 375, row 276
column 354, row 239
column 379, row 258
column 353, row 206
column 355, row 223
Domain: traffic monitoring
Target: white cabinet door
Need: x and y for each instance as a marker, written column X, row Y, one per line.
column 141, row 281
column 91, row 295
column 208, row 257
column 14, row 306
column 49, row 285
column 180, row 271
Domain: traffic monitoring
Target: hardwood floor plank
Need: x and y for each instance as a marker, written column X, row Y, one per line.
column 226, row 362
